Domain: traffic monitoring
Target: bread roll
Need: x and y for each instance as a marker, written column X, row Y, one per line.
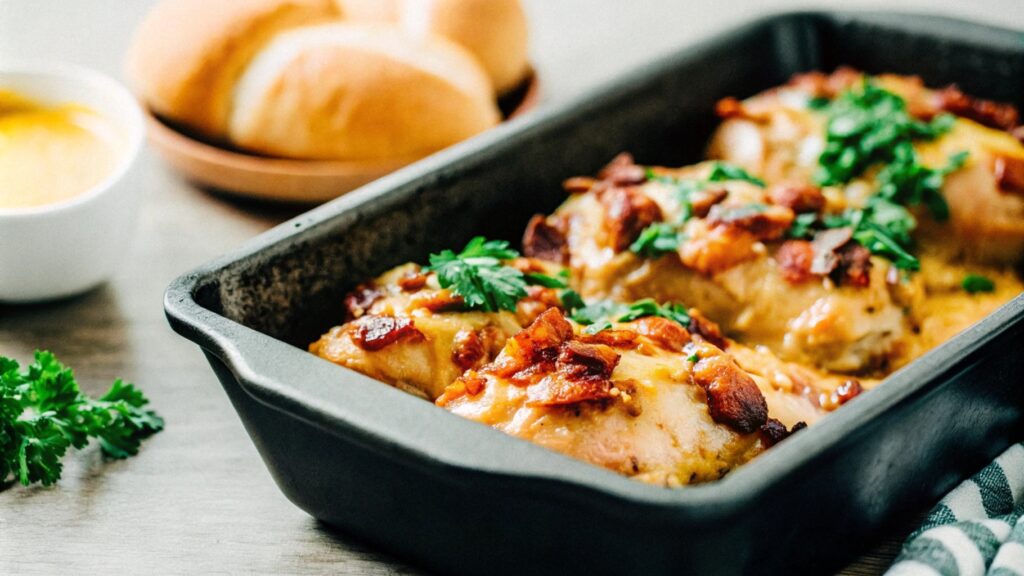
column 495, row 31
column 187, row 54
column 359, row 91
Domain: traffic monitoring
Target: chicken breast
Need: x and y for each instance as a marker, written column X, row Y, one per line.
column 646, row 398
column 779, row 135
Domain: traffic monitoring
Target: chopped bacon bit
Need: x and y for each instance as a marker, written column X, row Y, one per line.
column 539, row 342
column 579, row 184
column 773, row 431
column 844, row 393
column 538, row 299
column 412, row 281
column 468, row 349
column 797, row 197
column 854, row 265
column 375, row 332
column 616, row 338
column 1009, row 174
column 733, row 397
column 666, row 333
column 826, row 246
column 627, row 212
column 545, row 241
column 359, row 301
column 557, row 390
column 437, row 301
column 730, row 107
column 623, row 171
column 718, row 250
column 768, row 224
column 580, row 360
column 469, row 383
column 821, row 85
column 702, row 201
column 987, row 112
column 706, row 330
column 794, row 259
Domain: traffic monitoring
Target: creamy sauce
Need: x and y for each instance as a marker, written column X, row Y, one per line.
column 50, row 154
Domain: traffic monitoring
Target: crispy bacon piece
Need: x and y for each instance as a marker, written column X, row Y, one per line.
column 826, row 246
column 987, row 112
column 1009, row 173
column 545, row 241
column 616, row 338
column 730, row 107
column 821, row 85
column 412, row 281
column 468, row 349
column 837, row 256
column 579, row 184
column 666, row 333
column 733, row 397
column 537, row 343
column 794, row 259
column 702, row 201
column 470, row 383
column 627, row 213
column 798, row 197
column 767, row 224
column 582, row 373
column 773, row 431
column 437, row 301
column 719, row 249
column 623, row 171
column 844, row 393
column 359, row 301
column 854, row 266
column 375, row 332
column 706, row 329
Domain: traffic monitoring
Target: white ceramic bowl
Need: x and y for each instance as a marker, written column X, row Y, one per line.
column 68, row 247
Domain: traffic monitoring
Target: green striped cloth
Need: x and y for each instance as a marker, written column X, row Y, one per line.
column 977, row 529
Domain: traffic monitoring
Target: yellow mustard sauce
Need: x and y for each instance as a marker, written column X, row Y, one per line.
column 49, row 154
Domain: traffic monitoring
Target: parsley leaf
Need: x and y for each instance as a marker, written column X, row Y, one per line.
column 43, row 413
column 600, row 315
column 882, row 227
column 478, row 275
column 538, row 279
column 974, row 283
column 722, row 171
column 657, row 239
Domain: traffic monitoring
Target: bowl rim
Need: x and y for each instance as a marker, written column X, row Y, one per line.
column 131, row 121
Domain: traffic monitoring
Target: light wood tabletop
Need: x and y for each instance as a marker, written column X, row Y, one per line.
column 197, row 499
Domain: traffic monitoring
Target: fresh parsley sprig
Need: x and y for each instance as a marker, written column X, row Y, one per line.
column 599, row 315
column 975, row 283
column 479, row 276
column 43, row 413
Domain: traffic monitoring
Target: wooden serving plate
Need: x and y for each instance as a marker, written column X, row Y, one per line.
column 285, row 179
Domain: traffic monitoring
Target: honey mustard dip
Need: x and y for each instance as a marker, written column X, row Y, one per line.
column 50, row 154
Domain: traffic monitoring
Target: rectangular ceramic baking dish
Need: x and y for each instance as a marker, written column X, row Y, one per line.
column 460, row 498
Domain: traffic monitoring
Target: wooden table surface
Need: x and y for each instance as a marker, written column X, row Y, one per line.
column 197, row 499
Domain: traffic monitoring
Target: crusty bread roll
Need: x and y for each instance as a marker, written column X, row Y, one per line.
column 187, row 54
column 495, row 31
column 359, row 91
column 292, row 78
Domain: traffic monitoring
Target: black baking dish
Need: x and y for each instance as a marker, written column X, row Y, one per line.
column 458, row 497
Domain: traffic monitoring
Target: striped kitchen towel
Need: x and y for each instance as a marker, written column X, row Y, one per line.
column 976, row 530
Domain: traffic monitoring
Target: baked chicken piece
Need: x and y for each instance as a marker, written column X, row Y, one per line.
column 715, row 239
column 645, row 398
column 404, row 329
column 780, row 135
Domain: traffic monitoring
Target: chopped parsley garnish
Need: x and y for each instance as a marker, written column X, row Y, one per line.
column 693, row 358
column 974, row 283
column 571, row 300
column 600, row 315
column 666, row 237
column 544, row 280
column 870, row 126
column 478, row 275
column 882, row 227
column 657, row 239
column 43, row 413
column 722, row 171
